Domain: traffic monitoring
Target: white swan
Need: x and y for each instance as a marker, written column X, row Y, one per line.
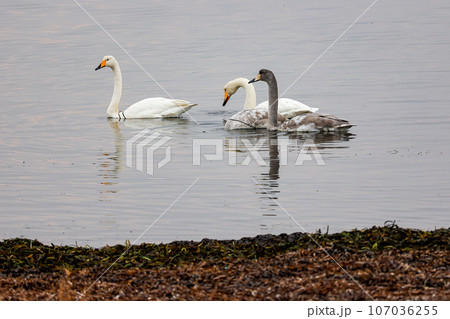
column 311, row 122
column 257, row 114
column 148, row 108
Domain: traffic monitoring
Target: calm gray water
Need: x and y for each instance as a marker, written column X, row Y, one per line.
column 63, row 172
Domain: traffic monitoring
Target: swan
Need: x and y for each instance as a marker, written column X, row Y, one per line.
column 256, row 114
column 156, row 107
column 311, row 122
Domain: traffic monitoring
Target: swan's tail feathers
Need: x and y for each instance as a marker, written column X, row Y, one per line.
column 183, row 103
column 346, row 126
column 340, row 123
column 192, row 105
column 178, row 108
column 188, row 107
column 188, row 104
column 183, row 106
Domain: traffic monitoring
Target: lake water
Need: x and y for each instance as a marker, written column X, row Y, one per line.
column 63, row 172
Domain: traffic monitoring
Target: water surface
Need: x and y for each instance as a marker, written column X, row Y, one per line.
column 63, row 172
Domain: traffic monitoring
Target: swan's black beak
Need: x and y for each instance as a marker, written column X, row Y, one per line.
column 227, row 97
column 256, row 79
column 101, row 65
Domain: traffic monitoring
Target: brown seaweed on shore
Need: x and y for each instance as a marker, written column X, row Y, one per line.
column 390, row 263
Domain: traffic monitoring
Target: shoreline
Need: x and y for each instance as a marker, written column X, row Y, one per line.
column 383, row 263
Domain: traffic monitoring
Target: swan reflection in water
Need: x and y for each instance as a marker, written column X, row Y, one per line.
column 110, row 163
column 267, row 182
column 269, row 146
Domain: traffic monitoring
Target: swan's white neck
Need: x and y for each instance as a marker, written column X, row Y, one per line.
column 113, row 108
column 250, row 94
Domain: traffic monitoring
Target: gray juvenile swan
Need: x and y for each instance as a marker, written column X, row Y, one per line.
column 253, row 116
column 311, row 122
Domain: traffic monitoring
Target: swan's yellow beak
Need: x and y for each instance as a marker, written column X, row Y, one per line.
column 101, row 65
column 227, row 97
column 256, row 79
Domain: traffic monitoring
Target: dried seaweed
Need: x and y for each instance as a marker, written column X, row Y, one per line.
column 24, row 255
column 391, row 263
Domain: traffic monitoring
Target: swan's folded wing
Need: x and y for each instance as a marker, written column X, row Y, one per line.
column 157, row 107
column 247, row 119
column 315, row 122
column 289, row 108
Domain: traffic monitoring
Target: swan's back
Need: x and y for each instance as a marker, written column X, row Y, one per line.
column 314, row 122
column 289, row 108
column 157, row 107
column 251, row 119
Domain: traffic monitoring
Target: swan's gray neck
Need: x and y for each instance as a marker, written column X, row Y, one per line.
column 273, row 103
column 113, row 108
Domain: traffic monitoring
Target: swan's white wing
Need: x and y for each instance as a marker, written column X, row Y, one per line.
column 289, row 108
column 247, row 119
column 157, row 107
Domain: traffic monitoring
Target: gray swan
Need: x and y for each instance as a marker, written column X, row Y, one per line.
column 311, row 122
column 252, row 113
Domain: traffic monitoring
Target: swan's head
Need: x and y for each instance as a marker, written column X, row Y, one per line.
column 231, row 87
column 263, row 75
column 108, row 60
